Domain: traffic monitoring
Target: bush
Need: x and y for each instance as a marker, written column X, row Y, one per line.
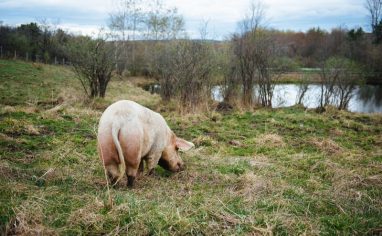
column 93, row 61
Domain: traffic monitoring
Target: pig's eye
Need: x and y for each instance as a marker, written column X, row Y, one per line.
column 176, row 148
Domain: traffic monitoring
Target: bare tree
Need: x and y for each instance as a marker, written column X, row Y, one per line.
column 254, row 19
column 184, row 68
column 231, row 86
column 339, row 77
column 256, row 51
column 164, row 70
column 127, row 23
column 232, row 79
column 194, row 69
column 303, row 87
column 328, row 77
column 93, row 61
column 45, row 43
column 163, row 23
column 268, row 67
column 374, row 7
column 351, row 75
column 245, row 50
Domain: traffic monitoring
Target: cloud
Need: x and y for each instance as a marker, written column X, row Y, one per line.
column 90, row 6
column 90, row 30
column 84, row 17
column 222, row 15
column 233, row 11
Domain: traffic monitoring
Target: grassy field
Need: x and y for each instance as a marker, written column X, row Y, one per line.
column 268, row 172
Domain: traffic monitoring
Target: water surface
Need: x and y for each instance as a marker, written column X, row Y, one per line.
column 366, row 98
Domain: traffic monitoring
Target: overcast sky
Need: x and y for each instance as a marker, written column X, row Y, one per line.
column 86, row 16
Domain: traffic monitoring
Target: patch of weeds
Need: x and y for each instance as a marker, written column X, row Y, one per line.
column 160, row 172
column 342, row 224
column 6, row 211
column 280, row 228
column 237, row 168
column 266, row 205
column 237, row 207
column 241, row 151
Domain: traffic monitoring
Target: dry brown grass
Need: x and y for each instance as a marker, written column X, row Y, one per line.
column 251, row 186
column 204, row 141
column 32, row 130
column 16, row 127
column 260, row 161
column 139, row 81
column 273, row 184
column 298, row 77
column 89, row 215
column 327, row 146
column 336, row 132
column 122, row 90
column 29, row 219
column 270, row 140
column 6, row 109
column 70, row 96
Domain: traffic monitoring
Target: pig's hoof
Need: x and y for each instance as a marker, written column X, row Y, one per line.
column 153, row 173
column 130, row 181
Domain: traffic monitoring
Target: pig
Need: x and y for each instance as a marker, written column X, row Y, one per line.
column 129, row 134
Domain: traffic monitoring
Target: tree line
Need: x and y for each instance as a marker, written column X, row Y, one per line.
column 148, row 38
column 34, row 41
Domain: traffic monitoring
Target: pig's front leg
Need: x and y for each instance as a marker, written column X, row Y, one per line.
column 152, row 162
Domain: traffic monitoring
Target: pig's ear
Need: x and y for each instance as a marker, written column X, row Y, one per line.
column 184, row 145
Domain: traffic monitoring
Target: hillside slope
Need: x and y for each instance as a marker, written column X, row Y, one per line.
column 280, row 171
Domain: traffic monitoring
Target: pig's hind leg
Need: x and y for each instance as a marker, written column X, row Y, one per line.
column 112, row 174
column 131, row 146
column 131, row 172
column 109, row 158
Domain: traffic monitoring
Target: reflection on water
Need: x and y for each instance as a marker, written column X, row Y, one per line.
column 372, row 94
column 367, row 98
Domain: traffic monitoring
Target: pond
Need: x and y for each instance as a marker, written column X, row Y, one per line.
column 366, row 99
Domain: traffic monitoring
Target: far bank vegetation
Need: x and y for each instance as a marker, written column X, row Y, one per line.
column 148, row 38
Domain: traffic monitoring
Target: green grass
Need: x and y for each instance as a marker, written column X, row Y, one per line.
column 289, row 171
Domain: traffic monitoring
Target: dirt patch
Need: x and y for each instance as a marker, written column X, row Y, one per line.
column 235, row 143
